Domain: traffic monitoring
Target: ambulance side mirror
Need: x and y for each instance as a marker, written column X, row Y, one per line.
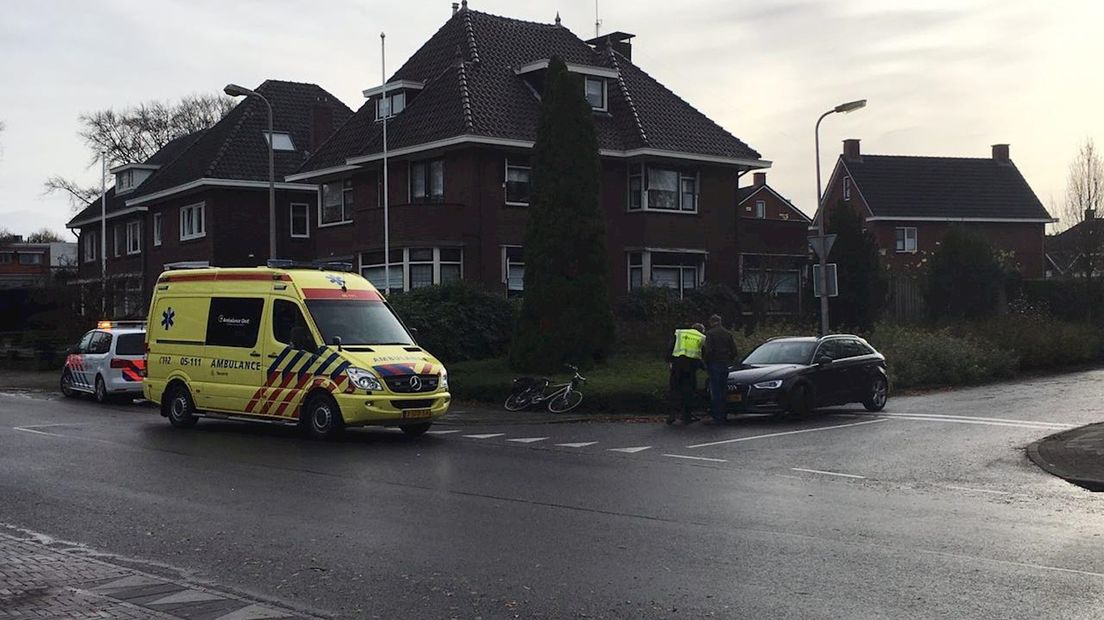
column 337, row 342
column 414, row 331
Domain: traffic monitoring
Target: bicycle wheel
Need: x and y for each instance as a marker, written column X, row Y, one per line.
column 519, row 401
column 565, row 401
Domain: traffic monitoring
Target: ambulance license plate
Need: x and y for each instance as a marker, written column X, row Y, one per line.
column 735, row 398
column 410, row 414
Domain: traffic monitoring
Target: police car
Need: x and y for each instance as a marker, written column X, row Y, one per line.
column 108, row 362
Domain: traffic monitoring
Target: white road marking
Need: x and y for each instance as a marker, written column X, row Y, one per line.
column 994, row 492
column 967, row 417
column 581, row 444
column 441, row 432
column 918, row 418
column 528, row 439
column 633, row 450
column 485, row 436
column 696, row 458
column 36, row 432
column 805, row 430
column 828, row 473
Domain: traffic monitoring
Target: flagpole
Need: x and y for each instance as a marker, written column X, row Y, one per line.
column 386, row 198
column 103, row 235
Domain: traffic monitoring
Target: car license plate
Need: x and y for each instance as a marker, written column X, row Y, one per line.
column 416, row 413
column 735, row 398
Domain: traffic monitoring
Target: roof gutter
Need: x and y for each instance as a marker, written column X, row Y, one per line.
column 90, row 220
column 205, row 182
column 1009, row 220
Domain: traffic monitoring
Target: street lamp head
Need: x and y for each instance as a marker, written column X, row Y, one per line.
column 237, row 91
column 850, row 106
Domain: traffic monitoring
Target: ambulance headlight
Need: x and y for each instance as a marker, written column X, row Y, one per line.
column 444, row 379
column 364, row 379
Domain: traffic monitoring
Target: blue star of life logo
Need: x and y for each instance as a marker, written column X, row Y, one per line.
column 336, row 280
column 167, row 318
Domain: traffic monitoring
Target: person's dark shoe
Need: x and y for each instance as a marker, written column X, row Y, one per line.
column 713, row 421
column 688, row 420
column 670, row 419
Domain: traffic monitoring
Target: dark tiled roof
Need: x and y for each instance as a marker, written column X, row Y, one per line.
column 944, row 187
column 471, row 88
column 235, row 147
column 164, row 156
column 1067, row 247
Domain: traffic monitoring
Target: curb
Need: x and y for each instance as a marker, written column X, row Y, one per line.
column 1089, row 483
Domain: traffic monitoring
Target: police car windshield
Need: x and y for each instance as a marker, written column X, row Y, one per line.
column 358, row 322
column 781, row 352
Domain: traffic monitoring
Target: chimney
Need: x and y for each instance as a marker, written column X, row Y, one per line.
column 455, row 8
column 851, row 149
column 1000, row 153
column 321, row 123
column 621, row 42
column 1090, row 214
column 759, row 179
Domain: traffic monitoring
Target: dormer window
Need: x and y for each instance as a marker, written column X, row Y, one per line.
column 281, row 141
column 130, row 176
column 595, row 92
column 389, row 106
column 124, row 181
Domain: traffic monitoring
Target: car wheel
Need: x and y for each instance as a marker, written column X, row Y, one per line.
column 879, row 395
column 416, row 430
column 67, row 386
column 101, row 391
column 181, row 409
column 800, row 404
column 321, row 418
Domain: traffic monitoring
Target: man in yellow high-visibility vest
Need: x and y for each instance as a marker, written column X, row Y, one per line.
column 685, row 359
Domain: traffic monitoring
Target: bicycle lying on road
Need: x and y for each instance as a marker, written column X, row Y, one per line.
column 532, row 391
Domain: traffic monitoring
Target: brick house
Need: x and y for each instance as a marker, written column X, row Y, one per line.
column 203, row 198
column 28, row 265
column 461, row 118
column 774, row 249
column 1078, row 251
column 909, row 203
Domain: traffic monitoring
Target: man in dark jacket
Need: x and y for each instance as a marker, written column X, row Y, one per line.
column 718, row 353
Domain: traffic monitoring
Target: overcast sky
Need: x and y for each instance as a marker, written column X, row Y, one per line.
column 942, row 77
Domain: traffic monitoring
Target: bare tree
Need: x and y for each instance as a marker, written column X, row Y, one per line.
column 763, row 278
column 7, row 236
column 132, row 135
column 1084, row 201
column 43, row 235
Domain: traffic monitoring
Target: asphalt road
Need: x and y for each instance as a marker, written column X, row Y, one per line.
column 929, row 511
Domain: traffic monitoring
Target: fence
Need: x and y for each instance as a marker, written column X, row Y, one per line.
column 906, row 299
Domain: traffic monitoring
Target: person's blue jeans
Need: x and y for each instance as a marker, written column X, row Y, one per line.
column 718, row 390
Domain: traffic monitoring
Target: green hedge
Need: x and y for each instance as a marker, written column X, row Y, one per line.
column 925, row 357
column 457, row 322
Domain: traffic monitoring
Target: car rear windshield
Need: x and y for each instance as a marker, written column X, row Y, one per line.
column 781, row 353
column 130, row 344
column 358, row 322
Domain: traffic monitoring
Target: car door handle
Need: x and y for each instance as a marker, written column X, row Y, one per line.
column 272, row 356
column 254, row 354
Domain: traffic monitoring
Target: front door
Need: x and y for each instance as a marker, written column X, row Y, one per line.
column 828, row 378
column 235, row 364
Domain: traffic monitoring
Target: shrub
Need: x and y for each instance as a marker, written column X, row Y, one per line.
column 457, row 321
column 648, row 315
column 964, row 277
column 1039, row 343
column 919, row 357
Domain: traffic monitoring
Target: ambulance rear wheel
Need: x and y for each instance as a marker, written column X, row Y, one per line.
column 416, row 430
column 181, row 409
column 321, row 417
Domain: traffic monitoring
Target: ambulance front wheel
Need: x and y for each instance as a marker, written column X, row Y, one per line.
column 321, row 417
column 180, row 408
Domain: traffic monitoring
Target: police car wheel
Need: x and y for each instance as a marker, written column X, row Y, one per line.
column 416, row 430
column 67, row 387
column 321, row 417
column 101, row 391
column 180, row 408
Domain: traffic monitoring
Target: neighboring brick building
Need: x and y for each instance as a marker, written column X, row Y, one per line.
column 1078, row 251
column 461, row 121
column 30, row 265
column 203, row 198
column 909, row 203
column 774, row 248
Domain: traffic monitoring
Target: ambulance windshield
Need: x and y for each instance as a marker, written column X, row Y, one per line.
column 358, row 322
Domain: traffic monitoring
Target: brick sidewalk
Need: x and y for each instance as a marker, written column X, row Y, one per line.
column 38, row 581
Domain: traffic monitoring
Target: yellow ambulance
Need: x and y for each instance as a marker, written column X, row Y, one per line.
column 314, row 347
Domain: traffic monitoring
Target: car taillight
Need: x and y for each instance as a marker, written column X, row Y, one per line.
column 118, row 363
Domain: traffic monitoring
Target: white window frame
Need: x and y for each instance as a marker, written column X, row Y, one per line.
column 427, row 165
column 306, row 219
column 641, row 171
column 90, row 246
column 198, row 232
column 903, row 248
column 157, row 221
column 506, row 180
column 390, row 98
column 124, row 181
column 277, row 145
column 505, row 267
column 587, row 79
column 133, row 237
column 847, row 188
column 761, row 209
column 406, row 262
column 647, row 265
column 346, row 204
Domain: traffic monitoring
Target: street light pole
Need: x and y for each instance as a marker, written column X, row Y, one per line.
column 238, row 91
column 843, row 108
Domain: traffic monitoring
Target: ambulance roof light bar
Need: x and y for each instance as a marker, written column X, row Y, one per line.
column 286, row 263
